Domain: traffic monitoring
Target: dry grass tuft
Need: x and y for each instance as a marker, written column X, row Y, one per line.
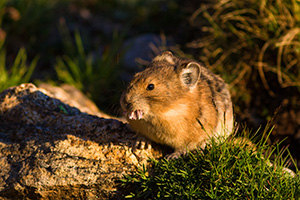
column 246, row 36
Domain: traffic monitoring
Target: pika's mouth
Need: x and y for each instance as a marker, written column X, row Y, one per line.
column 134, row 115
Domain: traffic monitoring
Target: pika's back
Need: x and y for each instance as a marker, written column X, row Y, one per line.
column 177, row 102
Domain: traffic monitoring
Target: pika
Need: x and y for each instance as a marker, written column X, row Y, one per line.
column 178, row 102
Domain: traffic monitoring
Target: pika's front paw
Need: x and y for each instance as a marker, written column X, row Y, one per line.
column 141, row 143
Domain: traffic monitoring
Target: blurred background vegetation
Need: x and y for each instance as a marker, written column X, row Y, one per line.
column 254, row 45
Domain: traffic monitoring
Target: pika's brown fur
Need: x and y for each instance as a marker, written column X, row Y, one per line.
column 178, row 102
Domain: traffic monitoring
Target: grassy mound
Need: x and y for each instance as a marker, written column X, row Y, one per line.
column 230, row 170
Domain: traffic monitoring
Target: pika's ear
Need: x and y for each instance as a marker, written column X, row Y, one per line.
column 166, row 56
column 167, row 53
column 191, row 74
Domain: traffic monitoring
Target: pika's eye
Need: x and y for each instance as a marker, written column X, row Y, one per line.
column 150, row 87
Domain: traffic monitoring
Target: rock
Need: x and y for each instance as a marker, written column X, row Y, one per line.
column 142, row 48
column 70, row 95
column 50, row 150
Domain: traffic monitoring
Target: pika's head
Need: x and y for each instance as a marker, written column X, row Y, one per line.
column 166, row 80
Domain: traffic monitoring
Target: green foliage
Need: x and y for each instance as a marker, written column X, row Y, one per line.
column 229, row 170
column 19, row 72
column 28, row 23
column 93, row 74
